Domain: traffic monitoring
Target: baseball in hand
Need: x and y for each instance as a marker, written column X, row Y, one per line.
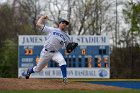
column 46, row 17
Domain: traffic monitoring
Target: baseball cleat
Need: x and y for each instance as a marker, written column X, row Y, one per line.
column 65, row 81
column 28, row 74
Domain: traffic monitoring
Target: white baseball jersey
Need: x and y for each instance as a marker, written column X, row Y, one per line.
column 56, row 38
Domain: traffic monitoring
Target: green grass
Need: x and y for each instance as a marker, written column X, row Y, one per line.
column 69, row 91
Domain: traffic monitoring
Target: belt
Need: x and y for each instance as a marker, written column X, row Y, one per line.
column 50, row 51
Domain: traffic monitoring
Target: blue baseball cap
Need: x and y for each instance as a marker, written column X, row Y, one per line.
column 63, row 20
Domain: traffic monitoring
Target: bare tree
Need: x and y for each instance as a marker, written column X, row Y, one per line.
column 29, row 10
column 85, row 16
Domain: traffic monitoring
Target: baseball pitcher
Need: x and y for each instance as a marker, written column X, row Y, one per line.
column 56, row 40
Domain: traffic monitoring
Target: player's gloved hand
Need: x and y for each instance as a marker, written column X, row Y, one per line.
column 71, row 46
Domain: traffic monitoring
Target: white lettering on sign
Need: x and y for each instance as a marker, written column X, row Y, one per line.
column 91, row 40
column 27, row 65
column 32, row 39
column 27, row 60
column 82, row 40
column 28, row 46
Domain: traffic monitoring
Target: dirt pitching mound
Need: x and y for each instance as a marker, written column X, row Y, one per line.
column 49, row 84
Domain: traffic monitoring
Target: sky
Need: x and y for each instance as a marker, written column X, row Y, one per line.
column 3, row 1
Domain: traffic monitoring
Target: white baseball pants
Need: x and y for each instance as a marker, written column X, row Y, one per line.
column 46, row 56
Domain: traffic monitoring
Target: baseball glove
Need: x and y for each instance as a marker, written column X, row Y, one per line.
column 71, row 46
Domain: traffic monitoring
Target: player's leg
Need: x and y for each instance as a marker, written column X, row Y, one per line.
column 62, row 63
column 44, row 58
